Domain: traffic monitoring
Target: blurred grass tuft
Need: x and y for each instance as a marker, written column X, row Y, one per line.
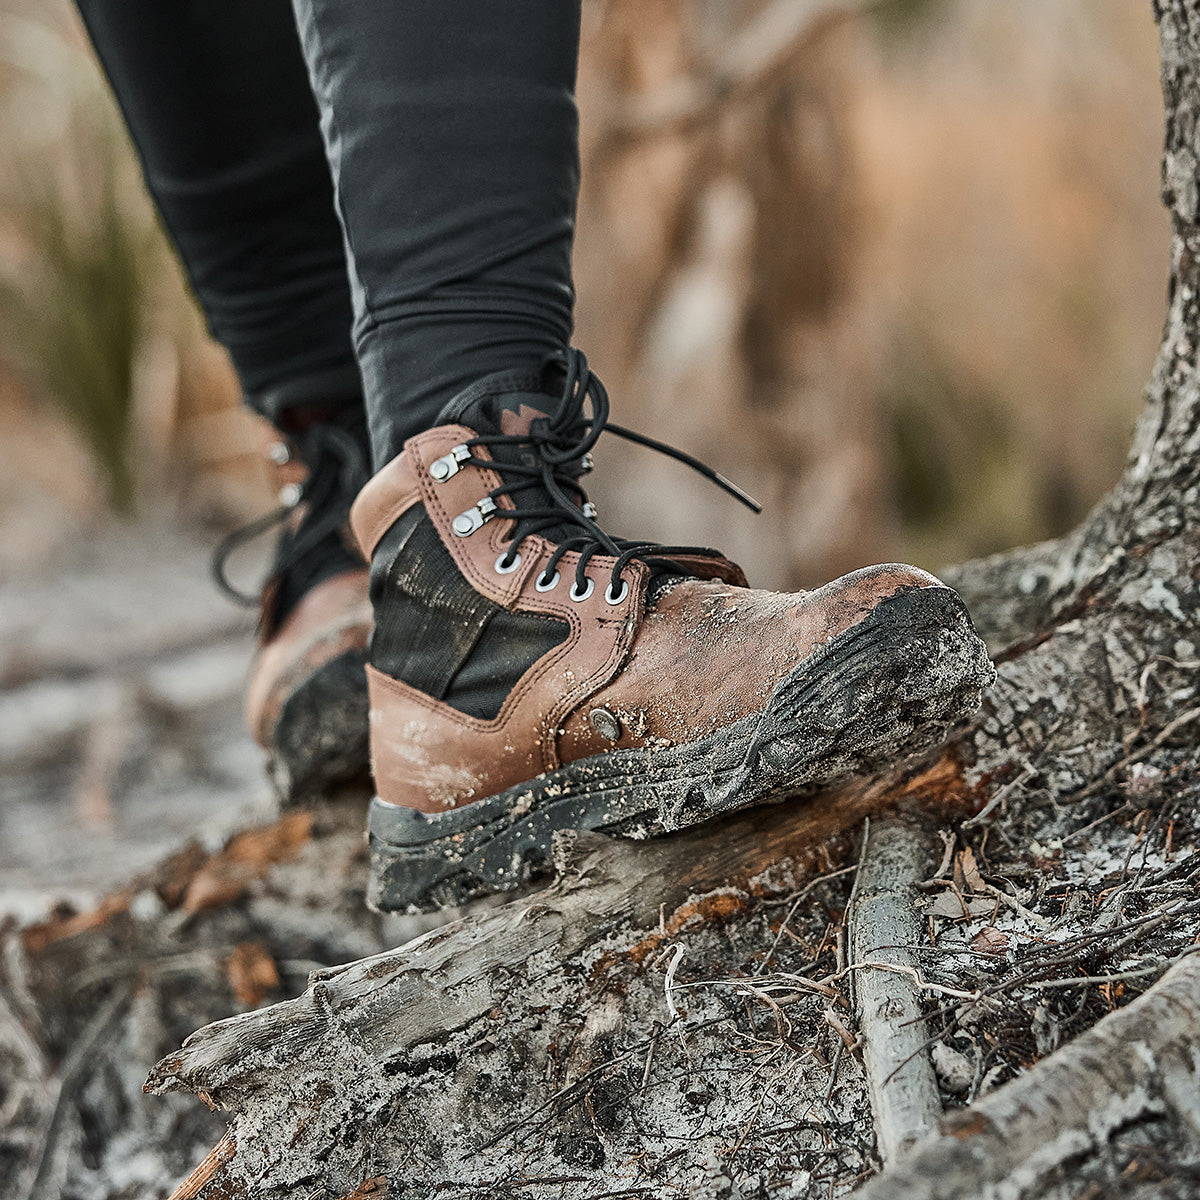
column 902, row 17
column 75, row 293
column 73, row 316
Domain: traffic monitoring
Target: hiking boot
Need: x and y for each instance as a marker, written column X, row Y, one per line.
column 529, row 673
column 306, row 700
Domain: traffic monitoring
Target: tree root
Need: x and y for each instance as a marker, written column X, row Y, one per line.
column 1141, row 1059
column 884, row 927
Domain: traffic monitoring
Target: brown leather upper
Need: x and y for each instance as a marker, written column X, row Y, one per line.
column 708, row 652
column 708, row 655
column 332, row 618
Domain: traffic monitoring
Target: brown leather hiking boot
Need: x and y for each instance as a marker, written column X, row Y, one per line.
column 306, row 699
column 529, row 672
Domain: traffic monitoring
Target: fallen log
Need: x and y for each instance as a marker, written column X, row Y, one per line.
column 315, row 1084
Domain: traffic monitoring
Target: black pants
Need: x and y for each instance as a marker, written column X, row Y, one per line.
column 445, row 139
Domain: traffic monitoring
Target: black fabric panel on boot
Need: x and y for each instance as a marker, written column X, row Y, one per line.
column 434, row 632
column 508, row 646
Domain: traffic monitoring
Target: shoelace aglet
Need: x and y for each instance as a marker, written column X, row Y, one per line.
column 737, row 493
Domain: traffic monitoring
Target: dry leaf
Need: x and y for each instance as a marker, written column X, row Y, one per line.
column 248, row 856
column 252, row 973
column 989, row 940
column 375, row 1188
column 955, row 1071
column 966, row 872
column 948, row 904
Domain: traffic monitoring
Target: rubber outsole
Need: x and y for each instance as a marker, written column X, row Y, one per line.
column 892, row 686
column 320, row 740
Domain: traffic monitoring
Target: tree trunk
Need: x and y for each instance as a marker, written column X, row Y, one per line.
column 676, row 1018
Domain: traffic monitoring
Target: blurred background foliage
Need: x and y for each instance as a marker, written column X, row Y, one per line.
column 896, row 267
column 72, row 307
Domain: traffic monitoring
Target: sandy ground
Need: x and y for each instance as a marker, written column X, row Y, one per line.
column 121, row 670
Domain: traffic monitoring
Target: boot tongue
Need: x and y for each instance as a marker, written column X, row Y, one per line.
column 507, row 403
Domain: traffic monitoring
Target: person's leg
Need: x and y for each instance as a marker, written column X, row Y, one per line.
column 217, row 99
column 529, row 672
column 452, row 135
column 218, row 103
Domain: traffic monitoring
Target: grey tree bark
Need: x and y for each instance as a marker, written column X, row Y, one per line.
column 675, row 1018
column 884, row 925
column 1139, row 1059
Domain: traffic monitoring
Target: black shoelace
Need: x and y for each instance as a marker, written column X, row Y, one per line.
column 560, row 458
column 337, row 471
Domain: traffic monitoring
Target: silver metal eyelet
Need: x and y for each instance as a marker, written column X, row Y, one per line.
column 578, row 596
column 290, row 495
column 590, row 511
column 279, row 453
column 475, row 518
column 609, row 598
column 542, row 584
column 442, row 468
column 515, row 562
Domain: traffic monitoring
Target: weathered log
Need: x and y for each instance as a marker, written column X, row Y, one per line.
column 315, row 1081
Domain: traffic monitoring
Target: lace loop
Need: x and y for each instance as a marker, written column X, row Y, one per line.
column 337, row 470
column 562, row 454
